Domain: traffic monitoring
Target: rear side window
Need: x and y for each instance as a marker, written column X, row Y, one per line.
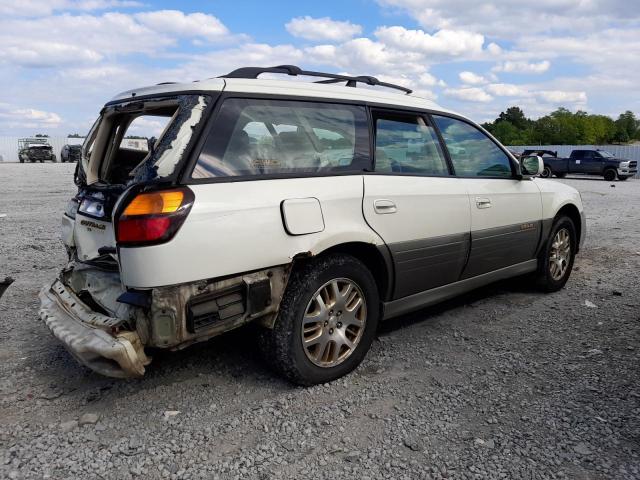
column 265, row 137
column 407, row 144
column 473, row 154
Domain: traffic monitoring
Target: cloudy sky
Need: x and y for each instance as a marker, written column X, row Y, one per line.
column 60, row 60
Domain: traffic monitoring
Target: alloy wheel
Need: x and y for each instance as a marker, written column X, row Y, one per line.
column 334, row 322
column 560, row 254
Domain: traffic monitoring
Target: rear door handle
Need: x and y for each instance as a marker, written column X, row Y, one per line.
column 383, row 206
column 482, row 202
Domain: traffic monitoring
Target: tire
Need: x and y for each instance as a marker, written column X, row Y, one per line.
column 622, row 178
column 548, row 277
column 609, row 174
column 323, row 361
column 21, row 160
column 546, row 172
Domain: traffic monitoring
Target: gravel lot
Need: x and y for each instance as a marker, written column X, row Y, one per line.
column 501, row 383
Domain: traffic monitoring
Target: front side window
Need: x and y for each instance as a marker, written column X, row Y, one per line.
column 407, row 144
column 265, row 137
column 473, row 154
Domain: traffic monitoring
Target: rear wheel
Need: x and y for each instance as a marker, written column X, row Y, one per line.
column 556, row 260
column 546, row 172
column 609, row 174
column 327, row 320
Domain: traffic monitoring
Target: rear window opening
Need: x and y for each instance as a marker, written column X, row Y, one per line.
column 140, row 140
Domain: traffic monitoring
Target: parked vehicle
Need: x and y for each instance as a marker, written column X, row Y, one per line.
column 35, row 150
column 311, row 209
column 70, row 153
column 590, row 162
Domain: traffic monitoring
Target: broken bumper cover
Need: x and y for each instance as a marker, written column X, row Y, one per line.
column 75, row 325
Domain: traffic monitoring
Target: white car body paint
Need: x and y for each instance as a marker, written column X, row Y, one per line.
column 555, row 195
column 510, row 202
column 427, row 207
column 228, row 264
column 237, row 227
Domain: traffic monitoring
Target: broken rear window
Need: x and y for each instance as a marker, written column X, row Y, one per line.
column 141, row 140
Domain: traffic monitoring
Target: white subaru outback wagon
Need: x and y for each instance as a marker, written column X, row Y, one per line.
column 313, row 209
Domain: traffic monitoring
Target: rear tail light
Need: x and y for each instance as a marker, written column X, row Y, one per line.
column 153, row 217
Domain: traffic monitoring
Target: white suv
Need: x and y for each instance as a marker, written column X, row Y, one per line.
column 315, row 210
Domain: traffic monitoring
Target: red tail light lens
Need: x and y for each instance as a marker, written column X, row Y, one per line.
column 153, row 217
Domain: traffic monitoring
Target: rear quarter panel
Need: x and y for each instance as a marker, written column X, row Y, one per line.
column 236, row 227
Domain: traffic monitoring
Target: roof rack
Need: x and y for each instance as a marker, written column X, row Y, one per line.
column 254, row 72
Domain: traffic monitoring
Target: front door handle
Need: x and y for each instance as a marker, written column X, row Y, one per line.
column 384, row 206
column 483, row 202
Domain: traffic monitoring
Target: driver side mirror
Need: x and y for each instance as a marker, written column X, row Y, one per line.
column 531, row 165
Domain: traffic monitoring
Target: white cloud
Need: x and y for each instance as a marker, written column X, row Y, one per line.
column 522, row 67
column 508, row 90
column 469, row 94
column 72, row 39
column 85, row 52
column 562, row 97
column 20, row 117
column 510, row 18
column 535, row 91
column 322, row 29
column 428, row 80
column 443, row 42
column 184, row 25
column 471, row 78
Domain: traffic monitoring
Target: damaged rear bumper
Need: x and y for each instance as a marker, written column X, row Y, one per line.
column 88, row 335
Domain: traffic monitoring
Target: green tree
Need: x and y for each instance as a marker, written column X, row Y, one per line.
column 563, row 127
column 516, row 117
column 626, row 127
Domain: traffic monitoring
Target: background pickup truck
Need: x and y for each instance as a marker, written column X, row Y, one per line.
column 590, row 162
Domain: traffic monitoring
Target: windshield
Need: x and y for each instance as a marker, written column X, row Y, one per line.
column 606, row 154
column 140, row 140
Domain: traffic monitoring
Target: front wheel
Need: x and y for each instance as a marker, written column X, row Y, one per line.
column 327, row 320
column 610, row 175
column 546, row 172
column 556, row 259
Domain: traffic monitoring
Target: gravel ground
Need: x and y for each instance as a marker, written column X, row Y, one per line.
column 501, row 383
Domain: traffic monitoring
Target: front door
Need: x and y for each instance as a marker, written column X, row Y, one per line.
column 506, row 212
column 415, row 204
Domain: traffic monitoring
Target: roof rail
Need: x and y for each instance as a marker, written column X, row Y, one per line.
column 254, row 72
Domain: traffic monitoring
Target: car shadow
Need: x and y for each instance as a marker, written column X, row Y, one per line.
column 513, row 285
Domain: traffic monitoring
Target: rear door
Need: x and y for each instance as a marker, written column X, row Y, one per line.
column 576, row 163
column 506, row 212
column 413, row 202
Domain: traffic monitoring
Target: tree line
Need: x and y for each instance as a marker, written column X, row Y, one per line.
column 563, row 127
